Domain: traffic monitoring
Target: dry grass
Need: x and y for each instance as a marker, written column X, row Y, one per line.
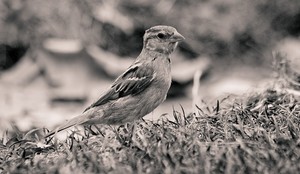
column 258, row 134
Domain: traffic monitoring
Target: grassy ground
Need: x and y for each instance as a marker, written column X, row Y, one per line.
column 256, row 134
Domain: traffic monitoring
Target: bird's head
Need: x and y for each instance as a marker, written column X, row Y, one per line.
column 162, row 39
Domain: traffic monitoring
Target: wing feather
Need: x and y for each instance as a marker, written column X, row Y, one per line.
column 131, row 82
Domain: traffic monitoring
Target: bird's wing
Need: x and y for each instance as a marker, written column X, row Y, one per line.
column 133, row 81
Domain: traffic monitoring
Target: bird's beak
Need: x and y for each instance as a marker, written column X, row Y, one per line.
column 177, row 37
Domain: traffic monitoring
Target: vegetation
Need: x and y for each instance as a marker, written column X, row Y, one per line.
column 259, row 134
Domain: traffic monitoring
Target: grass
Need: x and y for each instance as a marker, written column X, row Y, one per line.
column 257, row 134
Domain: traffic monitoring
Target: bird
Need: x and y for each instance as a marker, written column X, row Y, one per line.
column 140, row 89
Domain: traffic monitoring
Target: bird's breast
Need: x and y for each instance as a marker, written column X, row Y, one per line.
column 163, row 72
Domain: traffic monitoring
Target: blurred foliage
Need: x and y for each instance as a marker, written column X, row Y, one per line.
column 31, row 21
column 218, row 28
column 10, row 54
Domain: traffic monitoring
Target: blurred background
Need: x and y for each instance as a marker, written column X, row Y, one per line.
column 57, row 57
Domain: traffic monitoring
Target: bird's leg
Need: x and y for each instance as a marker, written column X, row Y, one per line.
column 132, row 130
column 116, row 131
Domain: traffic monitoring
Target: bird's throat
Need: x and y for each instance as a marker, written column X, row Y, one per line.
column 164, row 48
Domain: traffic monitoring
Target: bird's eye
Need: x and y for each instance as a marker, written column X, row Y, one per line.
column 161, row 35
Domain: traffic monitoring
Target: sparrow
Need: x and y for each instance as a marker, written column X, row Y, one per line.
column 140, row 89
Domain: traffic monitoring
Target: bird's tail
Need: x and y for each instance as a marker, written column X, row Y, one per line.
column 73, row 122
